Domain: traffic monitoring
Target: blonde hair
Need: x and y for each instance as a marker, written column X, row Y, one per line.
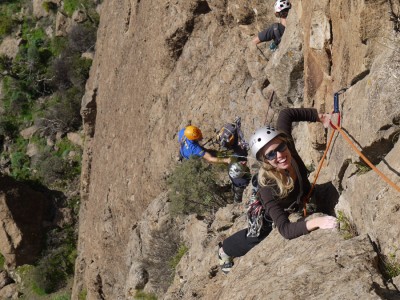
column 269, row 176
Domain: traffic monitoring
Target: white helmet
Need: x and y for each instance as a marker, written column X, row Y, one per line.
column 237, row 170
column 262, row 137
column 281, row 5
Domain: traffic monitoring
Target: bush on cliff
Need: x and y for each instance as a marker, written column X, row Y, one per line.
column 193, row 188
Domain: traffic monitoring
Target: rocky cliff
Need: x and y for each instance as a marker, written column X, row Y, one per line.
column 160, row 65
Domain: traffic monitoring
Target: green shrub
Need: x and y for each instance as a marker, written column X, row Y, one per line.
column 62, row 297
column 391, row 266
column 6, row 25
column 57, row 265
column 347, row 228
column 2, row 261
column 20, row 166
column 193, row 188
column 362, row 167
column 50, row 168
column 140, row 295
column 63, row 115
column 25, row 272
column 70, row 6
column 174, row 261
column 82, row 295
column 8, row 127
column 80, row 71
column 49, row 6
column 58, row 44
column 7, row 21
column 82, row 38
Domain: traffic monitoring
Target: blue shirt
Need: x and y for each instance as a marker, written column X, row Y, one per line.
column 189, row 148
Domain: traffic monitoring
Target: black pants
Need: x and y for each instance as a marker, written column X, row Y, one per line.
column 239, row 243
column 237, row 193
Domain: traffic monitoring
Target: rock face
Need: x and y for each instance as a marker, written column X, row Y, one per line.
column 319, row 265
column 22, row 212
column 162, row 65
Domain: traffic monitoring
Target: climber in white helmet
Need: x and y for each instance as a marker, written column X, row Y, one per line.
column 276, row 30
column 283, row 182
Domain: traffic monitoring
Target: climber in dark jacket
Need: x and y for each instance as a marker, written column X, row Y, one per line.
column 283, row 182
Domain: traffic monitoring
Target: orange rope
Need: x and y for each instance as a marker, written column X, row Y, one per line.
column 321, row 162
column 366, row 159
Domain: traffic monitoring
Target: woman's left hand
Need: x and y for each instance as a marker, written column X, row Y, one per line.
column 325, row 119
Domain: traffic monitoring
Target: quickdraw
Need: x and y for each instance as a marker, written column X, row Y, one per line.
column 255, row 215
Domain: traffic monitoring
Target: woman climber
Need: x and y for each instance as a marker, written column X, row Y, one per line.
column 282, row 181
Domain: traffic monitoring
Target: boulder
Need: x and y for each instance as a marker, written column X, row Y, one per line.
column 22, row 211
column 10, row 292
column 38, row 9
column 27, row 133
column 79, row 16
column 75, row 138
column 63, row 24
column 5, row 279
column 137, row 279
column 9, row 46
column 32, row 150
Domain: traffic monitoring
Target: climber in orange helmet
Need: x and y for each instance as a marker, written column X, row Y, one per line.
column 188, row 139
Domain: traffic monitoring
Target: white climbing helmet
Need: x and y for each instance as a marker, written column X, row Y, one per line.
column 262, row 137
column 237, row 170
column 281, row 5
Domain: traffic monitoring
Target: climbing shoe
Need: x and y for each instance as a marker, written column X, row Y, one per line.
column 273, row 47
column 225, row 262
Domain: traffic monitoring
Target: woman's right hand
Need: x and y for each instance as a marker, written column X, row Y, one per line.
column 326, row 222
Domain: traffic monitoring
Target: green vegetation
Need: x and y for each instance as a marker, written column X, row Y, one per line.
column 8, row 20
column 54, row 268
column 43, row 86
column 140, row 295
column 391, row 266
column 49, row 6
column 347, row 228
column 62, row 297
column 2, row 261
column 174, row 261
column 193, row 188
column 362, row 167
column 82, row 295
column 70, row 6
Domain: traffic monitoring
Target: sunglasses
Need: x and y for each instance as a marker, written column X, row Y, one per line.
column 271, row 155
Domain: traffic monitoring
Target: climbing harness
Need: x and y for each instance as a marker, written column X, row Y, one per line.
column 255, row 216
column 365, row 159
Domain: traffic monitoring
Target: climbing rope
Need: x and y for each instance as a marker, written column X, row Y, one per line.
column 376, row 170
column 340, row 130
column 321, row 162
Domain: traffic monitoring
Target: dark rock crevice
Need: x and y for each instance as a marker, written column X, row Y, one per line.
column 176, row 42
column 377, row 151
column 201, row 8
column 359, row 77
column 341, row 173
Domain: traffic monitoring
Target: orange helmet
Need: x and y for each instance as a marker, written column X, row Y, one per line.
column 193, row 133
